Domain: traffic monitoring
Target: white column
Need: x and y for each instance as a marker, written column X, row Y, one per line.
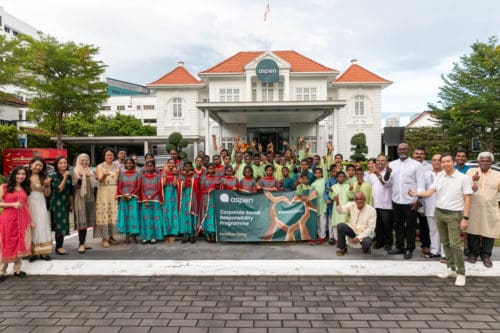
column 207, row 133
column 146, row 147
column 286, row 87
column 196, row 148
column 336, row 130
column 249, row 87
column 319, row 148
column 219, row 144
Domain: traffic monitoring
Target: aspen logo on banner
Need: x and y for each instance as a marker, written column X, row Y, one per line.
column 264, row 217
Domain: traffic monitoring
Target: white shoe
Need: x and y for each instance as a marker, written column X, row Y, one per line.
column 460, row 281
column 447, row 274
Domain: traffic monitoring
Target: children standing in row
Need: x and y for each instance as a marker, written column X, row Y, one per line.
column 188, row 203
column 128, row 201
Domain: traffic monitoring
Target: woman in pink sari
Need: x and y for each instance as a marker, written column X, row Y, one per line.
column 15, row 222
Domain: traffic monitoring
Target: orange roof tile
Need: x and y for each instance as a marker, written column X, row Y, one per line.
column 11, row 99
column 298, row 62
column 178, row 76
column 357, row 74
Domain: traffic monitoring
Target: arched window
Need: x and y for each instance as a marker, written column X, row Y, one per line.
column 359, row 105
column 177, row 107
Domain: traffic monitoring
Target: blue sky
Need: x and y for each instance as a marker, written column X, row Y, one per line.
column 409, row 42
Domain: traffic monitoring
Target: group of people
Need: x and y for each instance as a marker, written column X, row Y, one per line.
column 354, row 207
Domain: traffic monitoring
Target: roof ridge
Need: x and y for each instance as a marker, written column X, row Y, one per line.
column 363, row 69
column 312, row 60
column 230, row 58
column 177, row 68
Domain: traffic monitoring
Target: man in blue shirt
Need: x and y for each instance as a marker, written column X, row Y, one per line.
column 460, row 159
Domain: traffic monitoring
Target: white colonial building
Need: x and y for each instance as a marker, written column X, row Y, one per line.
column 272, row 96
column 13, row 102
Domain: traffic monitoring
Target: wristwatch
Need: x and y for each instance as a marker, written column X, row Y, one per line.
column 465, row 218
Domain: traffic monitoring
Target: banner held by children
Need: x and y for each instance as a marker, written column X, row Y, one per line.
column 264, row 217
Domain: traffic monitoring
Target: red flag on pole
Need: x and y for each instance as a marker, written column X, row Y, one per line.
column 266, row 11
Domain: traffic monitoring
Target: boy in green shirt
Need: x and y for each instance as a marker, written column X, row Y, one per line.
column 319, row 186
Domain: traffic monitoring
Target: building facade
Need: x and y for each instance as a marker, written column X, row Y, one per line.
column 13, row 100
column 270, row 96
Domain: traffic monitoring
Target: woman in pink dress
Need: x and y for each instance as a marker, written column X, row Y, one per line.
column 15, row 222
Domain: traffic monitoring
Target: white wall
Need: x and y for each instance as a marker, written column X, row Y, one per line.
column 348, row 124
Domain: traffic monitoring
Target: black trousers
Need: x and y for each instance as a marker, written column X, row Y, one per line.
column 423, row 227
column 480, row 246
column 59, row 241
column 344, row 230
column 405, row 225
column 82, row 234
column 384, row 227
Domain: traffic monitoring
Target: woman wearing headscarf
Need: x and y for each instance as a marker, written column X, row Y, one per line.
column 84, row 200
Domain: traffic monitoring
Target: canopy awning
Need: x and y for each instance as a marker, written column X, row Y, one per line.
column 262, row 114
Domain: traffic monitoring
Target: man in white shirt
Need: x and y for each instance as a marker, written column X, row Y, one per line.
column 361, row 225
column 382, row 202
column 406, row 174
column 419, row 155
column 453, row 195
column 429, row 207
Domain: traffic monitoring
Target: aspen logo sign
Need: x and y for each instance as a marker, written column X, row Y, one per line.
column 268, row 71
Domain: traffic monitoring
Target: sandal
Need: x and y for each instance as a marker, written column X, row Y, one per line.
column 61, row 251
column 113, row 241
column 105, row 243
column 20, row 274
column 81, row 249
column 430, row 255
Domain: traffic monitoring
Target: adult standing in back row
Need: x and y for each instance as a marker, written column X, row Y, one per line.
column 484, row 225
column 406, row 174
column 453, row 194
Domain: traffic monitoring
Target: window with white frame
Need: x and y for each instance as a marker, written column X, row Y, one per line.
column 148, row 107
column 312, row 141
column 229, row 95
column 120, row 107
column 359, row 105
column 306, row 94
column 177, row 107
column 227, row 142
column 267, row 91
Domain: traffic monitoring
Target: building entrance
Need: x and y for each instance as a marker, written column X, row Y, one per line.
column 265, row 135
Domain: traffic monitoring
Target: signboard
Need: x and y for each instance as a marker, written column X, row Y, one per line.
column 264, row 217
column 268, row 71
column 14, row 157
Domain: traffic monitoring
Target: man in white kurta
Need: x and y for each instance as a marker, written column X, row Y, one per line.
column 484, row 223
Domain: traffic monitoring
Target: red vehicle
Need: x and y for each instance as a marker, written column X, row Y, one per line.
column 22, row 156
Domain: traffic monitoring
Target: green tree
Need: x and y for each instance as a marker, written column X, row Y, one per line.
column 121, row 125
column 8, row 139
column 8, row 67
column 469, row 99
column 176, row 141
column 359, row 148
column 63, row 79
column 430, row 138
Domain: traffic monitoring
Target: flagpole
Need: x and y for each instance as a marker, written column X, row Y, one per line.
column 266, row 25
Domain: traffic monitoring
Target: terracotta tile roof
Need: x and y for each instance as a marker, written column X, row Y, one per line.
column 357, row 74
column 11, row 99
column 298, row 62
column 178, row 76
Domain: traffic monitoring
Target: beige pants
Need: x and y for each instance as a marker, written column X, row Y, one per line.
column 4, row 265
